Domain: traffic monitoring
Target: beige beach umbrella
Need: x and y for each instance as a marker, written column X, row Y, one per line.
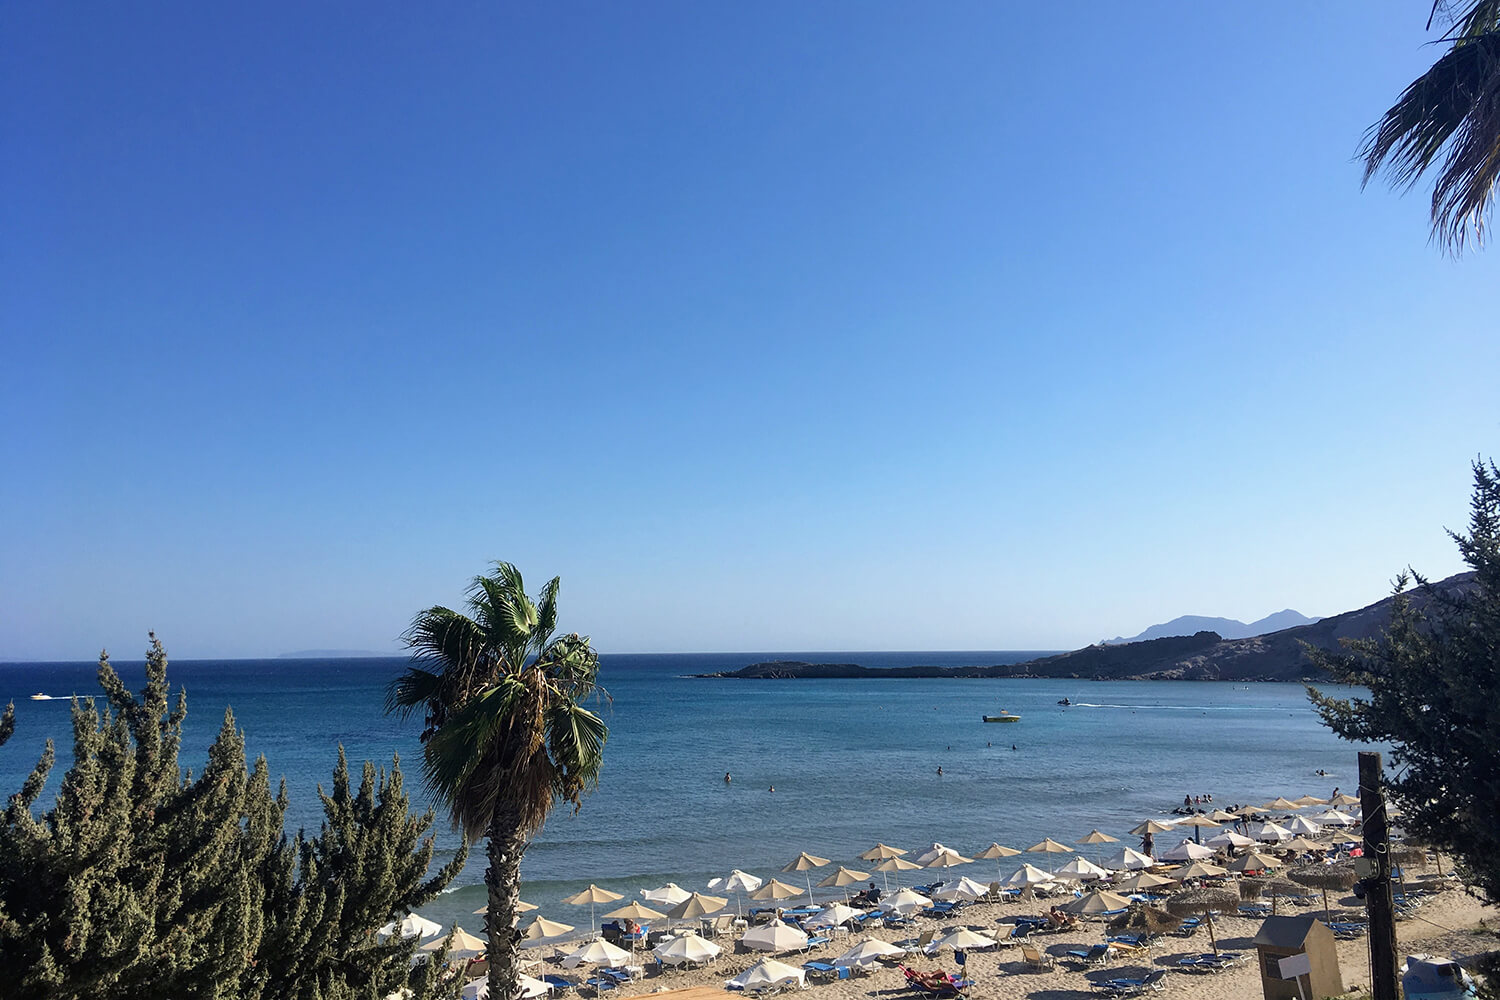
column 881, row 852
column 1050, row 846
column 521, row 907
column 1094, row 903
column 1280, row 804
column 1252, row 861
column 1199, row 824
column 1198, row 869
column 867, row 953
column 805, row 862
column 1299, row 844
column 1143, row 880
column 463, row 946
column 962, row 939
column 592, row 897
column 1309, row 800
column 1325, row 877
column 596, row 952
column 1205, row 902
column 1150, row 826
column 697, row 905
column 947, row 858
column 843, row 877
column 636, row 911
column 1096, row 837
column 1344, row 799
column 541, row 930
column 994, row 853
column 895, row 865
column 775, row 889
column 1223, row 816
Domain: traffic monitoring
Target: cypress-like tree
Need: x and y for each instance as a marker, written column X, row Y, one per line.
column 143, row 881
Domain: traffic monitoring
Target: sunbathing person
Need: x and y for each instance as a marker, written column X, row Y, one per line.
column 1058, row 919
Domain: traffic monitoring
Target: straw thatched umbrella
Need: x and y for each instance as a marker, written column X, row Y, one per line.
column 1325, row 877
column 1404, row 855
column 1204, row 902
column 1255, row 888
column 1152, row 919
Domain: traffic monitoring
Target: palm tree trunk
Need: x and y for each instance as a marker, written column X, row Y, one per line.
column 503, row 880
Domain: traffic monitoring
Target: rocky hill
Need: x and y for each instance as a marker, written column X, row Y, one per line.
column 1207, row 656
column 1228, row 628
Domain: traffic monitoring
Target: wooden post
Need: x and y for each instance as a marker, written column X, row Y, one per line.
column 1378, row 902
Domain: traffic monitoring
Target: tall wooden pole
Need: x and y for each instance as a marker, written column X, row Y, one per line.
column 1382, row 910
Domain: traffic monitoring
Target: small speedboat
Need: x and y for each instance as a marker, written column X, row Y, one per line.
column 1064, row 701
column 41, row 697
column 1004, row 716
column 1425, row 977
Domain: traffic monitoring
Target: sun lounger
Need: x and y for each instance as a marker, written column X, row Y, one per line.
column 1348, row 930
column 559, row 984
column 1189, row 927
column 813, row 942
column 1255, row 910
column 1151, row 982
column 936, row 983
column 1209, row 962
column 1097, row 955
column 825, row 972
column 1036, row 958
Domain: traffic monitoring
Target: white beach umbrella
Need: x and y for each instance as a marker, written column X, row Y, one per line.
column 1129, row 859
column 1334, row 818
column 686, row 948
column 1229, row 839
column 1029, row 875
column 1271, row 833
column 867, row 953
column 596, row 952
column 930, row 853
column 1081, row 869
column 1188, row 851
column 906, row 901
column 963, row 939
column 768, row 972
column 964, row 888
column 833, row 916
column 739, row 883
column 669, row 895
column 775, row 936
column 413, row 925
column 1301, row 824
column 479, row 989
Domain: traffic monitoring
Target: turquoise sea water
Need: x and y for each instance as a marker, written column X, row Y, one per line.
column 852, row 761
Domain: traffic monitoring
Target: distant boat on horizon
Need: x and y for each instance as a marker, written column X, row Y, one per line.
column 41, row 697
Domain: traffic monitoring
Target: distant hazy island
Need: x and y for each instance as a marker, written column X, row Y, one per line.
column 335, row 654
column 1203, row 656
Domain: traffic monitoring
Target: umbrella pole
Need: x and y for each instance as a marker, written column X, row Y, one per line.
column 1326, row 917
column 1213, row 941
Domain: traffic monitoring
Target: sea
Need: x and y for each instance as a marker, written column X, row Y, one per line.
column 829, row 767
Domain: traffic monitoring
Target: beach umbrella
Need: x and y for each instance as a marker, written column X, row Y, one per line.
column 836, row 914
column 479, row 989
column 1129, row 859
column 1255, row 888
column 1142, row 880
column 1325, row 877
column 1204, row 902
column 1229, row 839
column 1198, row 869
column 1309, row 800
column 541, row 927
column 596, row 952
column 1095, row 903
column 994, row 853
column 775, row 936
column 739, row 883
column 843, row 877
column 636, row 911
column 521, row 907
column 1252, row 862
column 945, row 858
column 697, row 905
column 1148, row 918
column 906, row 901
column 929, row 854
column 805, row 862
column 1301, row 824
column 686, row 948
column 1095, row 837
column 1300, row 844
column 1280, row 804
column 463, row 945
column 1198, row 823
column 413, row 925
column 668, row 895
column 964, row 888
column 868, row 953
column 1269, row 832
column 1188, row 851
column 1344, row 799
column 1223, row 816
column 1029, row 875
column 962, row 939
column 894, row 865
column 1334, row 818
column 1150, row 826
column 1081, row 869
column 881, row 852
column 1050, row 846
column 592, row 896
column 767, row 973
column 775, row 889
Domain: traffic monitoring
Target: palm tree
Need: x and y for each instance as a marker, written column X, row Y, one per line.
column 507, row 735
column 1450, row 113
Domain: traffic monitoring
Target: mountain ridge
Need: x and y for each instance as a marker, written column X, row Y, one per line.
column 1226, row 628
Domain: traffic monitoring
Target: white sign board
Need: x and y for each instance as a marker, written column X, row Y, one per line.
column 1295, row 965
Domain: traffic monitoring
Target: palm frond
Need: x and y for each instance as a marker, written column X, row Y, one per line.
column 575, row 739
column 470, row 736
column 1450, row 114
column 547, row 609
column 415, row 688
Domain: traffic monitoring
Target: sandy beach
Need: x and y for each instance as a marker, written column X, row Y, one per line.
column 1444, row 925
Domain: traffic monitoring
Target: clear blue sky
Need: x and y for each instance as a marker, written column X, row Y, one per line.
column 766, row 326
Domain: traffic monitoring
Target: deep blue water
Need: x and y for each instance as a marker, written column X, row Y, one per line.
column 852, row 761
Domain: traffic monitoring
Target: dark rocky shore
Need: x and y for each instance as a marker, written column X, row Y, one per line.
column 1206, row 656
